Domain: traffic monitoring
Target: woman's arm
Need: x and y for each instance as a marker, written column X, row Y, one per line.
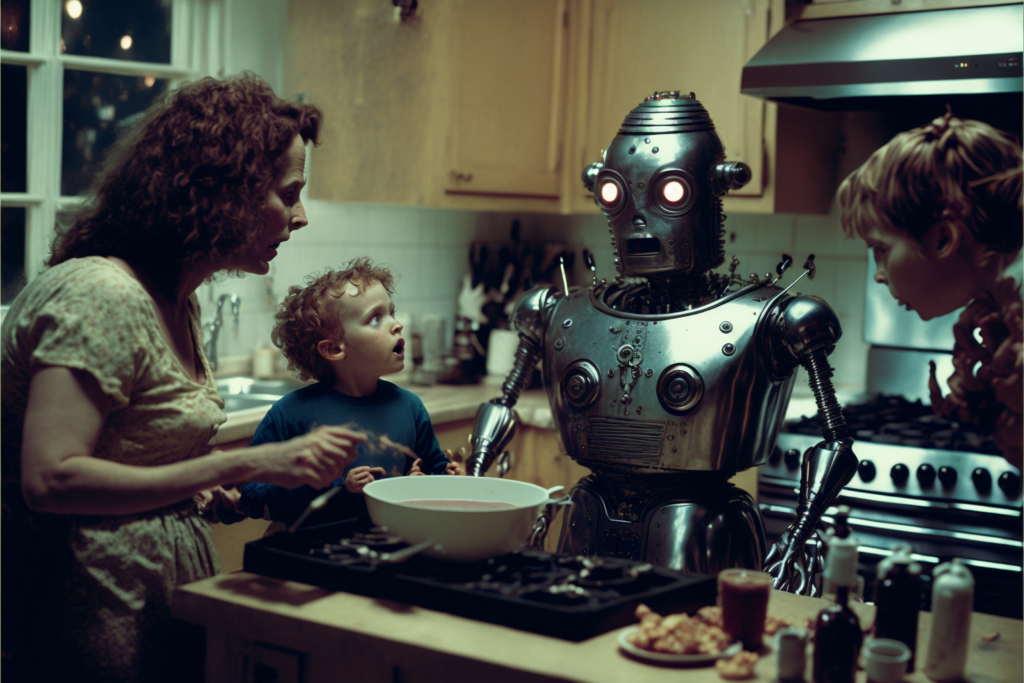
column 67, row 411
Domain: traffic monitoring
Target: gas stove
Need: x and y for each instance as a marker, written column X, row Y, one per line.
column 573, row 598
column 938, row 485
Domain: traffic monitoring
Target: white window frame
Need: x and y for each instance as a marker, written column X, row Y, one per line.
column 197, row 50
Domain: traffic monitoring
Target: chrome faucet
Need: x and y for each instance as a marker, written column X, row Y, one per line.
column 210, row 347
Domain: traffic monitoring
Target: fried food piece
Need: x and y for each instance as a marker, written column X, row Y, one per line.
column 738, row 667
column 712, row 616
column 677, row 634
column 990, row 637
column 773, row 624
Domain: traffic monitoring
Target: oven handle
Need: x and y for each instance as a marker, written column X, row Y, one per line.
column 902, row 501
column 779, row 511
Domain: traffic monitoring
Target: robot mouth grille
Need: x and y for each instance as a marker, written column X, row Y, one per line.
column 633, row 441
column 643, row 246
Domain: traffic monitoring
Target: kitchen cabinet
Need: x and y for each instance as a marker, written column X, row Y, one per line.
column 500, row 105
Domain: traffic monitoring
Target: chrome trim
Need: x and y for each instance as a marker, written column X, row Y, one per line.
column 916, row 530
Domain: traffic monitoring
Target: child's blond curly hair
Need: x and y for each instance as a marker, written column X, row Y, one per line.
column 312, row 313
column 955, row 169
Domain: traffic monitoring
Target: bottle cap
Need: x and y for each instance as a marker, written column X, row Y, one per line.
column 901, row 554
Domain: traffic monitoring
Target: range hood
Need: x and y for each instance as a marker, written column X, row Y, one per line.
column 821, row 62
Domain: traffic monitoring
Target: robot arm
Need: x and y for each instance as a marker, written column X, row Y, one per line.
column 804, row 330
column 496, row 420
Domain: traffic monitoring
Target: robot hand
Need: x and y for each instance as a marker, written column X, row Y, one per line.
column 795, row 562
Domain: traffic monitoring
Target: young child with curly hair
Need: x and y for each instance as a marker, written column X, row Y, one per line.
column 940, row 208
column 340, row 329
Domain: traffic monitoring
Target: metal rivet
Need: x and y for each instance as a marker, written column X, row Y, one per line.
column 614, row 329
column 611, row 372
column 647, row 140
column 728, row 349
column 641, row 184
column 664, row 510
column 657, row 525
column 671, row 243
column 559, row 343
column 674, row 449
column 654, row 151
column 567, row 322
column 670, row 437
column 650, row 372
column 726, row 326
column 632, row 149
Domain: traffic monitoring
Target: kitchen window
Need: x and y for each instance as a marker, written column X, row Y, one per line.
column 75, row 74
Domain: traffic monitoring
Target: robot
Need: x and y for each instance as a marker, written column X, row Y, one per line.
column 672, row 378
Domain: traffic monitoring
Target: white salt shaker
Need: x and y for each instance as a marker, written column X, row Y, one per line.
column 952, row 603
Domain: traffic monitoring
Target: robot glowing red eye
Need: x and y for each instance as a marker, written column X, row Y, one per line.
column 609, row 193
column 673, row 191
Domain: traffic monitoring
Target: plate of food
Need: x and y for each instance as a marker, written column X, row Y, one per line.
column 671, row 658
column 677, row 638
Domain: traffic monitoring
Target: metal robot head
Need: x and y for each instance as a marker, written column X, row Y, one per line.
column 661, row 184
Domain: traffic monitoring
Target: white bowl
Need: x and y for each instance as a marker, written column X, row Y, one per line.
column 466, row 535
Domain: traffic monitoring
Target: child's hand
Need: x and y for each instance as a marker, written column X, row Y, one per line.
column 455, row 468
column 415, row 469
column 359, row 477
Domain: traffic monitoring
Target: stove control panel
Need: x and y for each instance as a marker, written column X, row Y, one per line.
column 973, row 478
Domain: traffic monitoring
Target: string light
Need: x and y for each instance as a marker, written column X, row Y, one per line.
column 126, row 42
column 73, row 8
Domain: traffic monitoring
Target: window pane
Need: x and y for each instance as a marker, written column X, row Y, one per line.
column 97, row 107
column 12, row 253
column 13, row 128
column 137, row 30
column 14, row 16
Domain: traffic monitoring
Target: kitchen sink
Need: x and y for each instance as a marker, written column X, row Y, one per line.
column 242, row 393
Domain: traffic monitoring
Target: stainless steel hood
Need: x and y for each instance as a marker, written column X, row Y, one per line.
column 967, row 51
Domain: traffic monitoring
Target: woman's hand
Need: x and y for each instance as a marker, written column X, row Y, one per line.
column 359, row 477
column 317, row 458
column 455, row 468
column 218, row 497
column 415, row 469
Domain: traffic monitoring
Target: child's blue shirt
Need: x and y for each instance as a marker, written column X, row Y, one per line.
column 389, row 411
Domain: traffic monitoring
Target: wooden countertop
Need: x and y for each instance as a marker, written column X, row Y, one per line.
column 340, row 627
column 444, row 403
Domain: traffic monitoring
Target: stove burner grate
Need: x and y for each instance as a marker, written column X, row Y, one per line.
column 567, row 597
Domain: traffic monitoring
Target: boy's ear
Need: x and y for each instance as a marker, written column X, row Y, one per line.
column 330, row 350
column 946, row 238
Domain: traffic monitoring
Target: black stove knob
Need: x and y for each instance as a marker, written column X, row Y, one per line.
column 867, row 470
column 776, row 456
column 899, row 474
column 1009, row 483
column 982, row 480
column 926, row 475
column 947, row 475
column 792, row 458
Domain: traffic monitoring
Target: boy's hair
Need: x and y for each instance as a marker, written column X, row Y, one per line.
column 951, row 168
column 312, row 313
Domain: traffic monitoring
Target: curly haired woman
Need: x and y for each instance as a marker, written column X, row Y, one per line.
column 940, row 208
column 109, row 402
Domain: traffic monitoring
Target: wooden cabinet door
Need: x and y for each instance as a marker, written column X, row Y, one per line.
column 505, row 114
column 642, row 46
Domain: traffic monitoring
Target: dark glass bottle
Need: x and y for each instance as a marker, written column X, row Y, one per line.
column 837, row 641
column 898, row 600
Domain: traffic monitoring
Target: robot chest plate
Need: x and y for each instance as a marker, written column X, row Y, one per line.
column 655, row 391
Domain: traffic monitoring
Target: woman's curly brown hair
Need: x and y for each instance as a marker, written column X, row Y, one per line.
column 186, row 186
column 952, row 168
column 312, row 313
